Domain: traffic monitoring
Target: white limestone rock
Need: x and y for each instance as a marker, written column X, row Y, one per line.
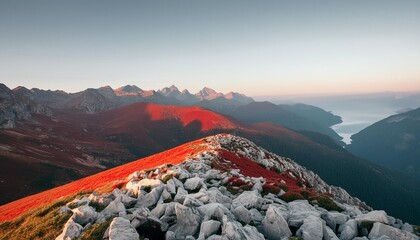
column 349, row 230
column 252, row 233
column 193, row 184
column 242, row 214
column 250, row 199
column 256, row 216
column 274, row 226
column 208, row 228
column 121, row 229
column 232, row 230
column 329, row 234
column 201, row 196
column 188, row 222
column 374, row 216
column 215, row 211
column 134, row 185
column 159, row 210
column 84, row 214
column 169, row 235
column 407, row 227
column 149, row 199
column 311, row 229
column 170, row 186
column 216, row 196
column 113, row 209
column 180, row 195
column 71, row 230
column 123, row 198
column 380, row 229
column 192, row 202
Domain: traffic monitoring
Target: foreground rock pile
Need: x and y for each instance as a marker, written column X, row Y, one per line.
column 193, row 200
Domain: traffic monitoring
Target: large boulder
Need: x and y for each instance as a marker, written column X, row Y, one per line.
column 113, row 209
column 274, row 226
column 250, row 199
column 134, row 186
column 329, row 234
column 299, row 210
column 170, row 186
column 209, row 228
column 217, row 197
column 233, row 230
column 242, row 214
column 188, row 222
column 256, row 216
column 149, row 199
column 84, row 215
column 339, row 218
column 311, row 229
column 121, row 229
column 329, row 220
column 193, row 184
column 296, row 219
column 252, row 233
column 349, row 230
column 71, row 230
column 380, row 229
column 123, row 198
column 215, row 211
column 374, row 216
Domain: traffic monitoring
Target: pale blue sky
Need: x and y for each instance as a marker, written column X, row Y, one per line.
column 254, row 47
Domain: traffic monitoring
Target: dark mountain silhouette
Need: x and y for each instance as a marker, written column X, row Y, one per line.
column 290, row 116
column 393, row 142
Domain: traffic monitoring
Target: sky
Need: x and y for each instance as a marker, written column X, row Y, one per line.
column 254, row 47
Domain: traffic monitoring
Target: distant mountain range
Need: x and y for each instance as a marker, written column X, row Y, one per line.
column 393, row 142
column 299, row 117
column 105, row 98
column 62, row 144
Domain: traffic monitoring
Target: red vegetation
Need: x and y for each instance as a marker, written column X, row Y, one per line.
column 174, row 156
column 208, row 120
column 140, row 116
column 252, row 169
column 234, row 181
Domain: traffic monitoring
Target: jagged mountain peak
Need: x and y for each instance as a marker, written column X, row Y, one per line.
column 128, row 90
column 170, row 89
column 242, row 98
column 90, row 101
column 206, row 91
column 207, row 94
column 185, row 91
column 5, row 92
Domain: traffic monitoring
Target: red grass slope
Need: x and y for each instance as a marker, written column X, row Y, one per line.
column 137, row 116
column 174, row 156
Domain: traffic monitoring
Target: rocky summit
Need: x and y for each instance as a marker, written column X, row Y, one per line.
column 230, row 189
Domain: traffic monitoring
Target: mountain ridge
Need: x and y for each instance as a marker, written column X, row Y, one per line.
column 213, row 180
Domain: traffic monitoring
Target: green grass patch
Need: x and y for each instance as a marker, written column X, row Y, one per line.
column 267, row 188
column 416, row 230
column 96, row 231
column 75, row 205
column 291, row 196
column 328, row 204
column 97, row 206
column 167, row 177
column 40, row 223
column 305, row 194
